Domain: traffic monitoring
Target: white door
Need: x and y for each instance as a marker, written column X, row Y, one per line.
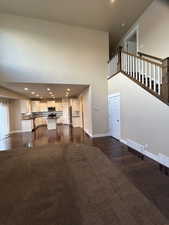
column 114, row 115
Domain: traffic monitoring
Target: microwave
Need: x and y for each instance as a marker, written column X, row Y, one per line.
column 51, row 109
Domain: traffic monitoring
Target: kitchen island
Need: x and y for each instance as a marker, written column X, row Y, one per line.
column 32, row 121
column 51, row 123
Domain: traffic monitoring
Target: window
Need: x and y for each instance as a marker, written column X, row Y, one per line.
column 4, row 118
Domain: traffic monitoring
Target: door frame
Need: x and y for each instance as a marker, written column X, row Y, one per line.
column 115, row 95
column 130, row 34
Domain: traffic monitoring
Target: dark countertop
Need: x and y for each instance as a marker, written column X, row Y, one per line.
column 35, row 115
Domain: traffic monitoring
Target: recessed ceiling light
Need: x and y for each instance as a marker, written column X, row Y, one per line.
column 26, row 89
column 68, row 89
column 48, row 89
column 112, row 1
column 32, row 92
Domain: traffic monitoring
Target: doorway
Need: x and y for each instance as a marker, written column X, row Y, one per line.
column 114, row 115
column 131, row 42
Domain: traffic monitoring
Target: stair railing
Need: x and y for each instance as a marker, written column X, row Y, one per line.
column 151, row 75
column 112, row 65
column 144, row 71
column 150, row 57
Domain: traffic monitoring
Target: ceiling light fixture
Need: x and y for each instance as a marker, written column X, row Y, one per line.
column 48, row 89
column 68, row 89
column 32, row 92
column 112, row 1
column 26, row 89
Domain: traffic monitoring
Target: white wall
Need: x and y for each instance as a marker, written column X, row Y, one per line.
column 38, row 51
column 153, row 29
column 144, row 118
column 87, row 107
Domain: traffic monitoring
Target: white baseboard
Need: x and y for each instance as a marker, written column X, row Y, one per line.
column 96, row 135
column 123, row 141
column 88, row 133
column 101, row 135
column 160, row 158
column 19, row 131
column 164, row 159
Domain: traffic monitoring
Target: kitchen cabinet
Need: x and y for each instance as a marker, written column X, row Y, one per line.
column 63, row 105
column 43, row 107
column 25, row 106
column 59, row 106
column 35, row 106
column 38, row 106
column 51, row 104
column 26, row 125
column 51, row 124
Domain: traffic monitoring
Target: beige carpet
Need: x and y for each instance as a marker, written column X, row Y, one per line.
column 69, row 185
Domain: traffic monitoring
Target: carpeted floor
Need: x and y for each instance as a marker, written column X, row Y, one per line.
column 71, row 184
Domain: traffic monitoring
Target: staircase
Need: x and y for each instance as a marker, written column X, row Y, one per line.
column 151, row 74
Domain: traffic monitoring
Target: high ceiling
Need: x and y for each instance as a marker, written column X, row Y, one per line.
column 96, row 14
column 45, row 91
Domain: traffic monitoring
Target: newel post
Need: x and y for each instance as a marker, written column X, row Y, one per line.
column 119, row 53
column 165, row 80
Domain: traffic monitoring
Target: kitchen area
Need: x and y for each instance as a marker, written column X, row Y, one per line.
column 50, row 113
column 34, row 105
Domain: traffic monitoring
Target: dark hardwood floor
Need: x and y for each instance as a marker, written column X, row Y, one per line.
column 144, row 174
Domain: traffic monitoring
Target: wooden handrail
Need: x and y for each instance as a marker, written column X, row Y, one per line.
column 147, row 60
column 150, row 56
column 157, row 82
